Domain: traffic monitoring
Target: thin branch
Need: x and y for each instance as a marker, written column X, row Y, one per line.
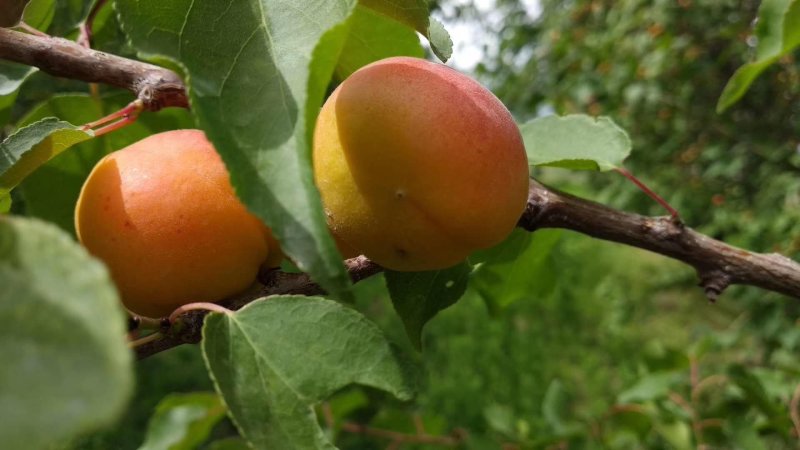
column 794, row 410
column 155, row 86
column 718, row 265
column 187, row 328
column 403, row 438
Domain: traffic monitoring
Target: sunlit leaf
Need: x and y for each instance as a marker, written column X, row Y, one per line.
column 183, row 421
column 5, row 203
column 66, row 365
column 576, row 141
column 275, row 358
column 32, row 146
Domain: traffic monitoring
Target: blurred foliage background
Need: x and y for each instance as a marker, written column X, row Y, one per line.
column 611, row 347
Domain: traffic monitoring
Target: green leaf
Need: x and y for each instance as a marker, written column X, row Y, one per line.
column 5, row 203
column 275, row 358
column 183, row 421
column 30, row 147
column 373, row 37
column 11, row 12
column 415, row 13
column 257, row 74
column 652, row 386
column 12, row 75
column 51, row 192
column 66, row 369
column 778, row 33
column 555, row 406
column 756, row 395
column 575, row 141
column 419, row 296
column 744, row 434
column 39, row 14
column 229, row 444
column 677, row 434
column 520, row 267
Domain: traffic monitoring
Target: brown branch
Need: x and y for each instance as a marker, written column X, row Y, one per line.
column 718, row 265
column 188, row 328
column 157, row 87
column 403, row 438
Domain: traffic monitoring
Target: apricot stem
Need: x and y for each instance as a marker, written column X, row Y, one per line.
column 650, row 193
column 213, row 307
column 141, row 341
column 125, row 116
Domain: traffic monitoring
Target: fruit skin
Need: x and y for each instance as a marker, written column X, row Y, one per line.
column 163, row 216
column 418, row 165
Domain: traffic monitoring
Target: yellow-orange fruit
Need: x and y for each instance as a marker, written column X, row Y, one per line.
column 163, row 216
column 418, row 165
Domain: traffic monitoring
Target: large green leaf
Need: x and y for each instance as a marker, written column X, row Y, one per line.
column 372, row 37
column 275, row 358
column 652, row 386
column 39, row 14
column 183, row 421
column 778, row 33
column 419, row 296
column 415, row 14
column 256, row 79
column 51, row 192
column 519, row 267
column 66, row 368
column 32, row 146
column 575, row 141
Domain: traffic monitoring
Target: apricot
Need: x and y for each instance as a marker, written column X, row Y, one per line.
column 163, row 216
column 418, row 165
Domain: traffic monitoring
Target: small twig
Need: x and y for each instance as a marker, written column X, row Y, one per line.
column 650, row 193
column 85, row 28
column 198, row 306
column 145, row 340
column 403, row 438
column 794, row 410
column 706, row 383
column 155, row 86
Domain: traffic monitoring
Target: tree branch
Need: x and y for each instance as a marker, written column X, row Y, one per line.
column 718, row 265
column 157, row 87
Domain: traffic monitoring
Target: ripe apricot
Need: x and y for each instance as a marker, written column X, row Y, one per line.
column 163, row 216
column 418, row 165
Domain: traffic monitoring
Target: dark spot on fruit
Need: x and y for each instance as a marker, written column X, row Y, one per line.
column 401, row 252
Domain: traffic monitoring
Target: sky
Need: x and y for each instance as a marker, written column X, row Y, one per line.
column 468, row 37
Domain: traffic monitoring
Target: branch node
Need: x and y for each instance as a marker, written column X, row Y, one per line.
column 714, row 283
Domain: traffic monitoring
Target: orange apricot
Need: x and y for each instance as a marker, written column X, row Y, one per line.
column 418, row 165
column 163, row 216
